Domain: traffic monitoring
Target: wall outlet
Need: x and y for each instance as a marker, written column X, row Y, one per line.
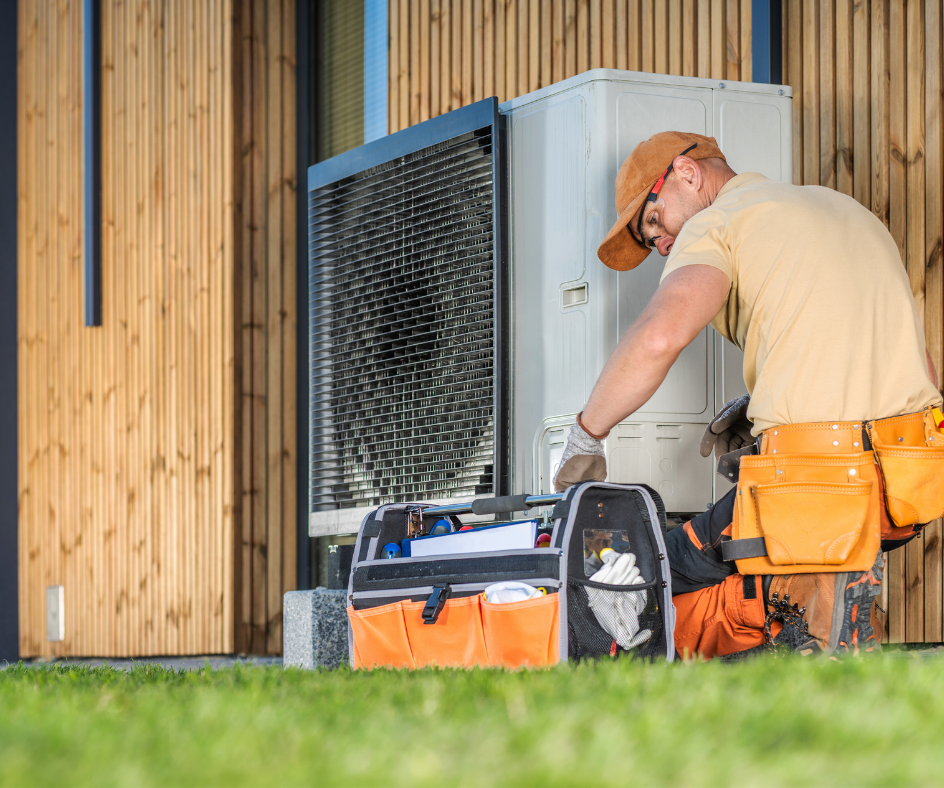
column 55, row 613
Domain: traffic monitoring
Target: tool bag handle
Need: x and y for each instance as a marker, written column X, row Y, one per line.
column 500, row 505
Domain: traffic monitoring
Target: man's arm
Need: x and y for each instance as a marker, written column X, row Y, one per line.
column 686, row 301
column 932, row 372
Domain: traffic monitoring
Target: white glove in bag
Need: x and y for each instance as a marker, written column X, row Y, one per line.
column 510, row 591
column 617, row 612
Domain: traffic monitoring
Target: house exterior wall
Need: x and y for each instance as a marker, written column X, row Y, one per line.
column 152, row 449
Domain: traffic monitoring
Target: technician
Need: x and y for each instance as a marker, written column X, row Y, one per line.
column 810, row 286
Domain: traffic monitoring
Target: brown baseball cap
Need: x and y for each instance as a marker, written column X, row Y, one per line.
column 635, row 179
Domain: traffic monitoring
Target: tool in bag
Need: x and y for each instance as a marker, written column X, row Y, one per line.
column 602, row 586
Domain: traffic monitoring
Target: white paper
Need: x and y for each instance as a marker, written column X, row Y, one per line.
column 513, row 536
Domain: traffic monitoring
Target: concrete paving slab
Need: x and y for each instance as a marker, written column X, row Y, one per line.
column 211, row 661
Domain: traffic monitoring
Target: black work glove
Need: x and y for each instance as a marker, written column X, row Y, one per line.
column 729, row 430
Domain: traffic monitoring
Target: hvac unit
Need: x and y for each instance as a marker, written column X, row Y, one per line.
column 459, row 316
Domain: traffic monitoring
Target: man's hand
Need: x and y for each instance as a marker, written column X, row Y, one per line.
column 583, row 460
column 729, row 430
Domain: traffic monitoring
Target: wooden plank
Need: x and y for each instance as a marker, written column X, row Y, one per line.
column 897, row 185
column 274, row 310
column 826, row 67
column 746, row 49
column 423, row 83
column 40, row 339
column 546, row 75
column 435, row 70
column 467, row 51
column 703, row 55
column 583, row 36
column 732, row 40
column 558, row 55
column 230, row 329
column 459, row 45
column 188, row 433
column 717, row 39
column 445, row 56
column 660, row 32
column 138, row 39
column 608, row 33
column 488, row 49
column 570, row 38
column 844, row 95
column 27, row 137
column 246, row 408
column 208, row 366
column 403, row 41
column 622, row 34
column 595, row 30
column 861, row 105
column 393, row 59
column 414, row 80
column 794, row 78
column 534, row 45
column 55, row 528
column 934, row 307
column 689, row 52
column 511, row 49
column 811, row 162
column 522, row 46
column 500, row 62
column 259, row 320
column 647, row 34
column 915, row 259
column 879, row 100
column 288, row 254
column 158, row 477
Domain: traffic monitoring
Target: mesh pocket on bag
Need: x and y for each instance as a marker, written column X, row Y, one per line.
column 586, row 638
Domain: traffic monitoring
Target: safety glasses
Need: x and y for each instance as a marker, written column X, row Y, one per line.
column 654, row 195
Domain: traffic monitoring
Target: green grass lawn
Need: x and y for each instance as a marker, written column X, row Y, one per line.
column 764, row 722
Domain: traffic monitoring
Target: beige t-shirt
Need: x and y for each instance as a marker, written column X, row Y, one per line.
column 819, row 303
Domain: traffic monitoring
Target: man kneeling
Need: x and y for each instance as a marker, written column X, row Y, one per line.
column 833, row 450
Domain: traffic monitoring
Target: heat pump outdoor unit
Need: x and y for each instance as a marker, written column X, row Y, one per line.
column 460, row 317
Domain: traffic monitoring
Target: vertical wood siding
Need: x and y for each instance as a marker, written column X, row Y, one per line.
column 142, row 441
column 445, row 54
column 265, row 299
column 126, row 431
column 867, row 81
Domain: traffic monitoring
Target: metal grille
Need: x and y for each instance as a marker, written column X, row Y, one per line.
column 402, row 277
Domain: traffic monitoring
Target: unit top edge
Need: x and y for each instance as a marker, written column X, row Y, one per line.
column 644, row 78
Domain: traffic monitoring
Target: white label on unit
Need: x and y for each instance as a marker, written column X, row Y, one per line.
column 55, row 613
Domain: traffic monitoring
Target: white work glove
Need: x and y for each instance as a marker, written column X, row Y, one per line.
column 583, row 460
column 617, row 612
column 729, row 430
column 510, row 591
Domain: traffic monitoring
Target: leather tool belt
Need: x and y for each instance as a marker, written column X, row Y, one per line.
column 821, row 497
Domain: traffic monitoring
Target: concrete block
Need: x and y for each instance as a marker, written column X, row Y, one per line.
column 314, row 629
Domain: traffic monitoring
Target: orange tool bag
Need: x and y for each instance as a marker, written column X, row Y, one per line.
column 429, row 610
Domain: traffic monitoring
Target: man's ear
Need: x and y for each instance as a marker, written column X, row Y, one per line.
column 688, row 172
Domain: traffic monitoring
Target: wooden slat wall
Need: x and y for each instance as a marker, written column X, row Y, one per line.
column 867, row 81
column 445, row 54
column 265, row 202
column 143, row 441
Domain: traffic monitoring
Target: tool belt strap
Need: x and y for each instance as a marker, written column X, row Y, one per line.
column 738, row 549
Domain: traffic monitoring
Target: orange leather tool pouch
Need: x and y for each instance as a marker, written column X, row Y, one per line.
column 910, row 452
column 816, row 512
